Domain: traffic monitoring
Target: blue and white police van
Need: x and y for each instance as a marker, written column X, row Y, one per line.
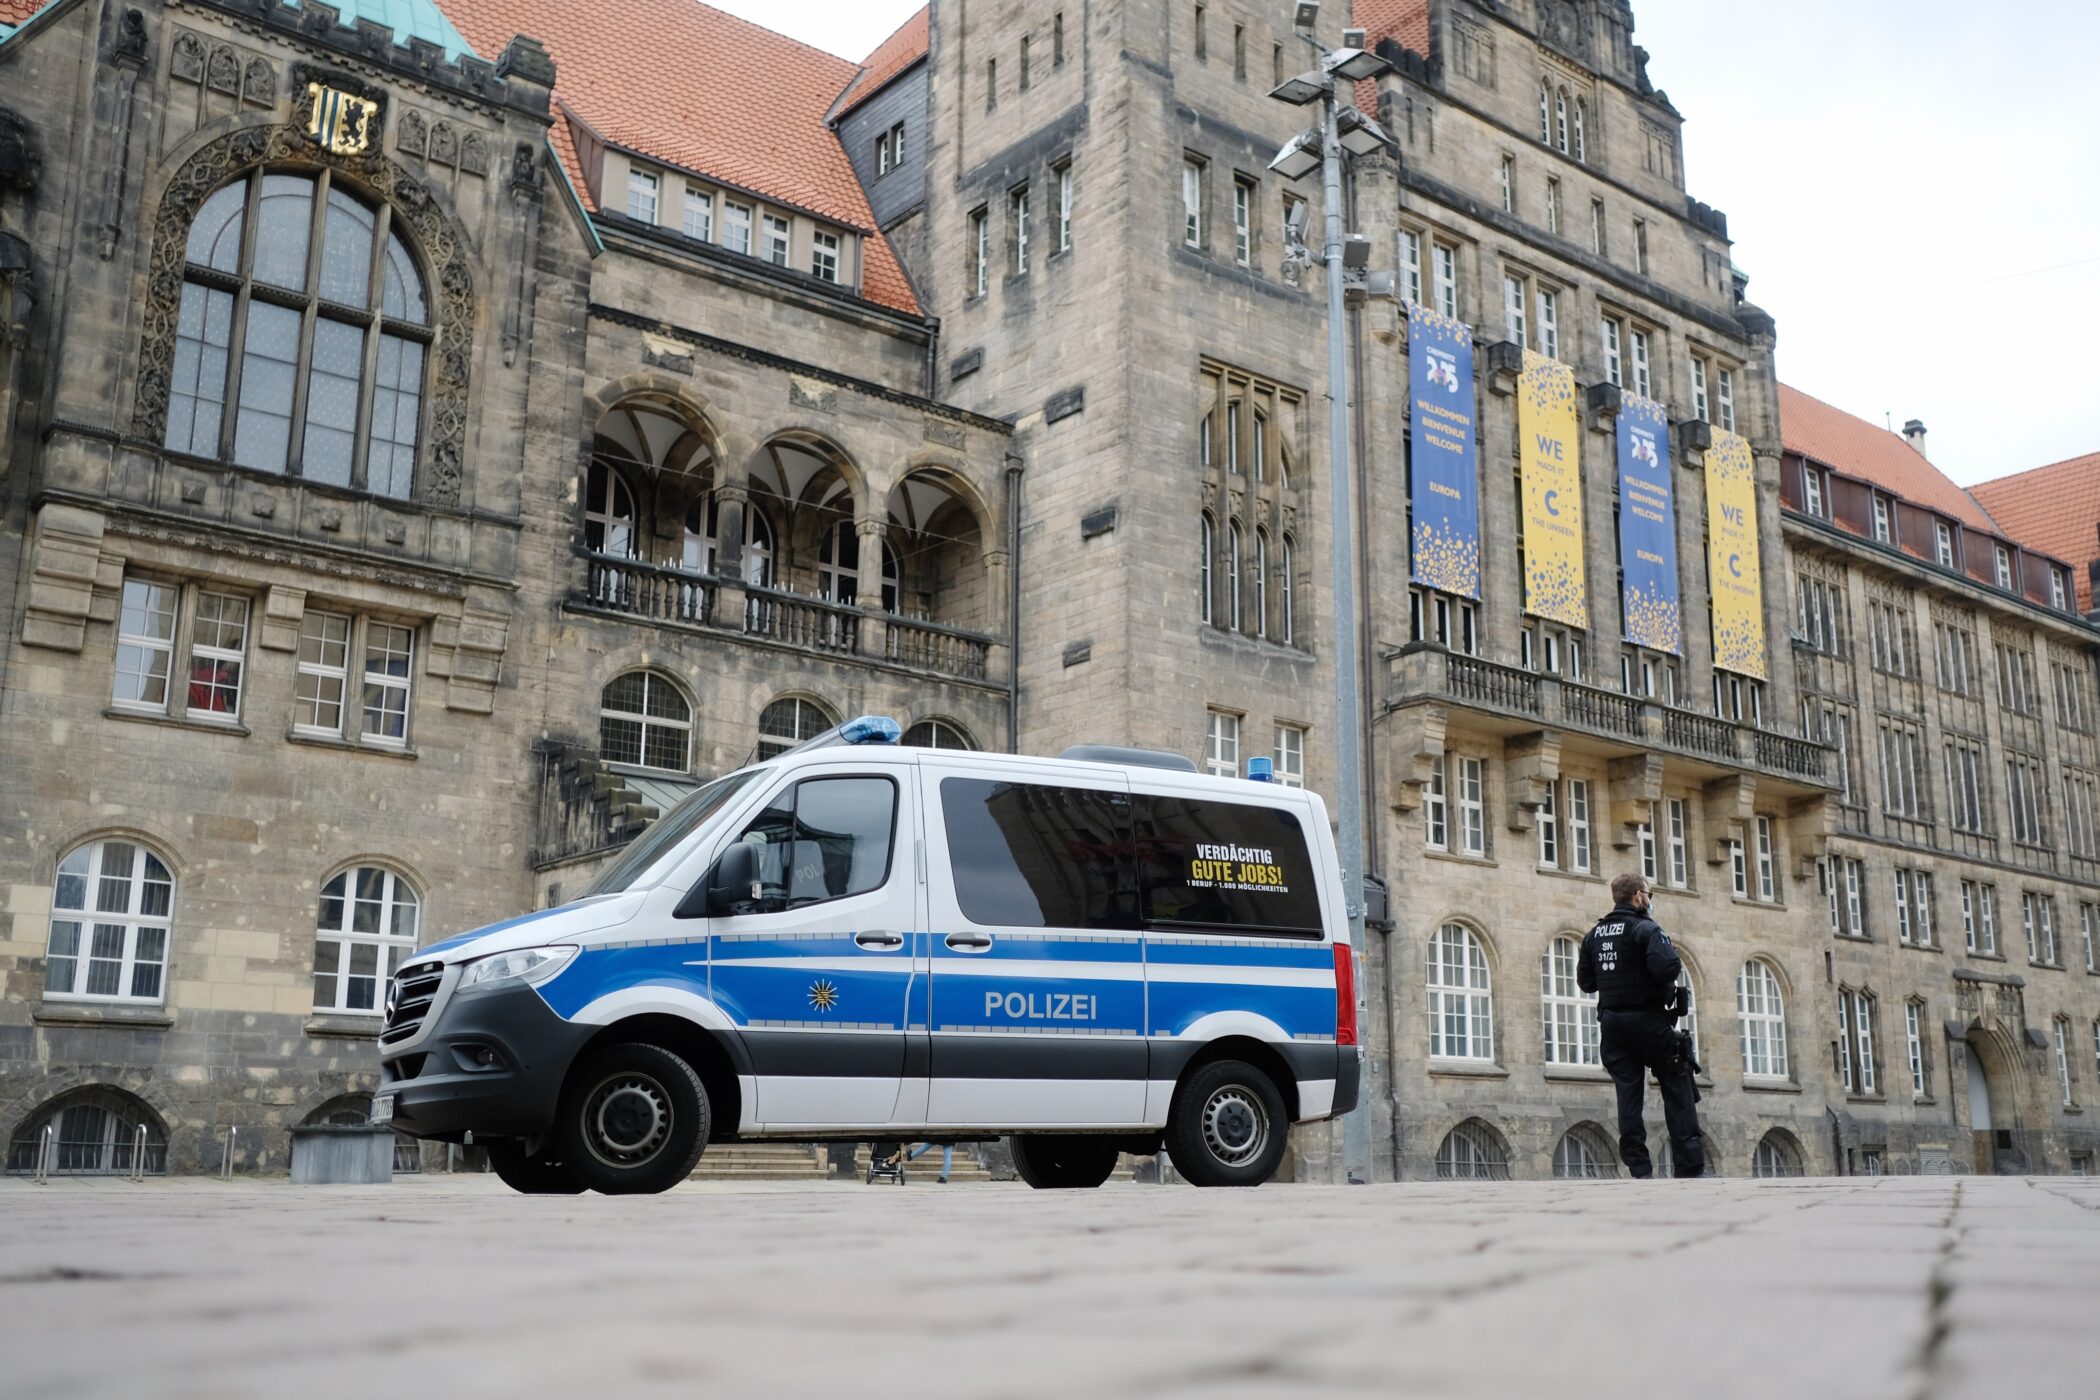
column 1101, row 952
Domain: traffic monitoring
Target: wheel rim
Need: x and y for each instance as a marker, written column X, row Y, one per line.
column 627, row 1120
column 1235, row 1125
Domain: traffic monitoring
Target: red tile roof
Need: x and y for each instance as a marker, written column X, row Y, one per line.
column 696, row 88
column 1406, row 21
column 2053, row 509
column 16, row 11
column 1858, row 448
column 891, row 57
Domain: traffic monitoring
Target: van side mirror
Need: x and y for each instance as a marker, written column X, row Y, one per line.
column 730, row 886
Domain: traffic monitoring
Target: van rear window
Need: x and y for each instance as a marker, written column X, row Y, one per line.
column 1031, row 855
column 1232, row 866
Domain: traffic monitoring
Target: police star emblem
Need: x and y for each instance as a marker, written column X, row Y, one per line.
column 823, row 995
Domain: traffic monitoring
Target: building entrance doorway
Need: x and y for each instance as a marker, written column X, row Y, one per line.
column 1980, row 1132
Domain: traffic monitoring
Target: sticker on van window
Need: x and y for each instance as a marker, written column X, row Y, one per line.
column 1237, row 868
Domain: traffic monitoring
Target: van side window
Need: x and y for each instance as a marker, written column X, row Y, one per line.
column 1230, row 866
column 824, row 838
column 1028, row 855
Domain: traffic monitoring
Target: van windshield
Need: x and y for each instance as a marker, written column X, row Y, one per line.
column 671, row 828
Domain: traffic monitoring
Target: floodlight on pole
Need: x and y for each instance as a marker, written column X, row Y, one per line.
column 1301, row 90
column 1361, row 136
column 1354, row 65
column 1307, row 15
column 1300, row 157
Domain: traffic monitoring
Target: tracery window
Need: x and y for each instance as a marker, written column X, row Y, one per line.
column 303, row 338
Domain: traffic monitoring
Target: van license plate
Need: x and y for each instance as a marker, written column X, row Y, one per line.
column 383, row 1109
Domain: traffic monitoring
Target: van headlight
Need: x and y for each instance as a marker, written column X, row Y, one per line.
column 532, row 965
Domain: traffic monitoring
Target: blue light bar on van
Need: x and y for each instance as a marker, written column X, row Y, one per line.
column 1261, row 770
column 870, row 729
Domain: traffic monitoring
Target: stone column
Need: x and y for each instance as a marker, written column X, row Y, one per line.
column 998, row 609
column 874, row 630
column 731, row 501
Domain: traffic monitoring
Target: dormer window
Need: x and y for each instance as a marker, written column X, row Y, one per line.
column 641, row 195
column 2002, row 557
column 778, row 236
column 1943, row 543
column 2058, row 593
column 1813, row 492
column 824, row 256
column 1882, row 525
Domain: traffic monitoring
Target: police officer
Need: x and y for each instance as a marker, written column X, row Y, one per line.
column 1628, row 962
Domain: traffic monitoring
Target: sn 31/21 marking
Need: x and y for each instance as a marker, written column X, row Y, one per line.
column 1043, row 1006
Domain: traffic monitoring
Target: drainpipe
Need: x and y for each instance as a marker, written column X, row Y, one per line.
column 1013, row 603
column 932, row 372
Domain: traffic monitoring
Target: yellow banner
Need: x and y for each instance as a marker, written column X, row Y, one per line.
column 1733, row 576
column 1550, row 455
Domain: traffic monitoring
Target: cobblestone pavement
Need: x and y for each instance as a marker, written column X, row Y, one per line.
column 1903, row 1287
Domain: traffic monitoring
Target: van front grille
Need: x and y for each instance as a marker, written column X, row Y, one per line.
column 409, row 999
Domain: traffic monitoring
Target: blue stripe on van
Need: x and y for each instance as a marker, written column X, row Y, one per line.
column 598, row 971
column 1175, row 1006
column 1167, row 949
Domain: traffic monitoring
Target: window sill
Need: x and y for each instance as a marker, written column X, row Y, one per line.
column 1777, row 906
column 105, row 1016
column 1463, row 1069
column 1433, row 854
column 1556, row 873
column 1988, row 957
column 323, row 741
column 161, row 717
column 344, row 1027
column 1770, row 1086
column 1872, row 1100
column 1575, row 1074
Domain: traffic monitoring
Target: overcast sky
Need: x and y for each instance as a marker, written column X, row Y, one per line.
column 1912, row 185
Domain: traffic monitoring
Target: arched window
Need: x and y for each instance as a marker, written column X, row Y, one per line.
column 1283, row 466
column 1461, row 1002
column 786, row 723
column 1261, row 448
column 1261, row 582
column 1582, row 1155
column 1763, row 1013
column 938, row 734
column 333, row 330
column 1210, row 548
column 1560, row 120
column 1203, row 431
column 1569, row 1013
column 1776, row 1155
column 608, row 514
column 1472, row 1151
column 95, row 1132
column 109, row 924
column 365, row 929
column 645, row 721
column 1580, row 153
column 1232, row 574
column 1546, row 113
column 1287, row 575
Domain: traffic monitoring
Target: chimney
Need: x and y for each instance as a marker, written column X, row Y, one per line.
column 1914, row 434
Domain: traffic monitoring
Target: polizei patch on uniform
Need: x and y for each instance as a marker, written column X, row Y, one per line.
column 1043, row 1006
column 1224, row 867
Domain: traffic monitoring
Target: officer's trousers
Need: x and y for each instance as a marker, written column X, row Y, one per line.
column 1633, row 1042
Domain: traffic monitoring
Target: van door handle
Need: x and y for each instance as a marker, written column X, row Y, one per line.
column 879, row 938
column 969, row 942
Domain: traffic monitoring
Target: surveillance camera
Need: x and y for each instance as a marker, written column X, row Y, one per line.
column 1308, row 14
column 1354, row 38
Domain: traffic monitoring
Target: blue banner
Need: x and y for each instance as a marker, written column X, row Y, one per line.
column 1648, row 528
column 1445, row 483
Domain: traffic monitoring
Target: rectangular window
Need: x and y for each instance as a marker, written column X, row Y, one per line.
column 1943, row 544
column 1410, row 267
column 1192, row 203
column 1017, row 226
column 1549, row 830
column 1513, row 298
column 197, row 397
column 1724, row 398
column 1064, row 207
column 145, row 644
column 1900, row 768
column 218, row 650
column 1614, row 363
column 1699, row 399
column 1472, row 806
column 1239, row 52
column 1640, row 246
column 2023, row 784
column 1677, row 820
column 1290, row 755
column 1987, row 919
column 1812, row 492
column 641, row 195
column 1914, row 1040
column 1856, row 898
column 1844, row 1042
column 1767, row 885
column 2056, row 589
column 994, row 829
column 1181, row 828
column 1222, row 751
column 1435, row 814
column 1965, row 794
column 1882, row 529
column 1509, row 184
column 2063, row 1060
column 1549, row 324
column 991, row 85
column 1641, row 383
column 324, row 673
column 1644, row 835
column 1922, row 913
column 1243, row 222
column 1552, row 206
column 2002, row 562
column 897, row 146
column 981, row 252
column 1597, row 227
column 2089, row 930
column 1579, row 825
column 1202, row 35
column 824, row 256
column 389, row 654
column 1444, row 263
column 1024, row 63
column 736, row 227
column 778, row 240
column 700, row 214
column 1738, row 871
column 1902, row 905
column 1057, row 40
column 1863, row 1038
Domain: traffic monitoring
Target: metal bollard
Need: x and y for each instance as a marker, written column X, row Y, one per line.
column 43, row 1155
column 226, row 1161
column 138, row 1155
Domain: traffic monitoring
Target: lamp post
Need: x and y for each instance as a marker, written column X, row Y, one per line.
column 1323, row 146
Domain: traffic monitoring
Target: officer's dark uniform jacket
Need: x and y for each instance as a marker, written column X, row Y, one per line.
column 1628, row 962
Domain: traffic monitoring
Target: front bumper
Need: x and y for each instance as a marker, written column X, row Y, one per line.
column 445, row 1087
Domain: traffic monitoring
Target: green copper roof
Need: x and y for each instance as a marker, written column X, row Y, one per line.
column 409, row 19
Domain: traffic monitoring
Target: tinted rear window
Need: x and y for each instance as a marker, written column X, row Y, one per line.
column 1231, row 866
column 1030, row 855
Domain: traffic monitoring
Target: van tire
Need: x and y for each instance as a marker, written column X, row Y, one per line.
column 1063, row 1161
column 531, row 1176
column 1228, row 1125
column 633, row 1120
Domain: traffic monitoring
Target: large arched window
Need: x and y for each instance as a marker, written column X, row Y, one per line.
column 365, row 928
column 1472, row 1151
column 1461, row 1002
column 1777, row 1155
column 1210, row 549
column 644, row 720
column 1261, row 582
column 95, row 1131
column 608, row 514
column 1583, row 1154
column 110, row 915
column 303, row 312
column 938, row 734
column 1569, row 1014
column 1763, row 1013
column 786, row 723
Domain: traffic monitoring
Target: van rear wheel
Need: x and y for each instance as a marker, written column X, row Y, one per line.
column 633, row 1120
column 1228, row 1126
column 1054, row 1161
column 531, row 1176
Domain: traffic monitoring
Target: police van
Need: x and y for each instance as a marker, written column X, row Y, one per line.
column 1097, row 953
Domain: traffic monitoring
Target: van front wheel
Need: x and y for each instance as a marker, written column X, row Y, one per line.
column 1228, row 1126
column 633, row 1120
column 1050, row 1161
